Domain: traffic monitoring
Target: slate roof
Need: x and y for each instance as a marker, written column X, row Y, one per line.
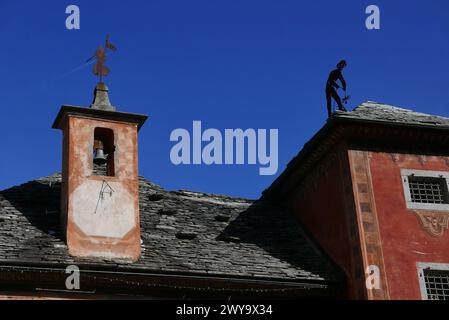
column 379, row 112
column 182, row 232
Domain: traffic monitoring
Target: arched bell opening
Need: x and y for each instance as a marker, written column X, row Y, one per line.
column 103, row 152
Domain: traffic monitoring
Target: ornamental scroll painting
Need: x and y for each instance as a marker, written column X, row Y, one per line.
column 434, row 223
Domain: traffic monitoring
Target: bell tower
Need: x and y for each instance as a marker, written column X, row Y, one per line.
column 100, row 190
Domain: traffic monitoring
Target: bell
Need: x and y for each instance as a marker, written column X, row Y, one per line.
column 100, row 158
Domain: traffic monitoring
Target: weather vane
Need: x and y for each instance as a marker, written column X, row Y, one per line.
column 100, row 69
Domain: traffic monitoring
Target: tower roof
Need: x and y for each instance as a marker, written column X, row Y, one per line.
column 138, row 119
column 100, row 108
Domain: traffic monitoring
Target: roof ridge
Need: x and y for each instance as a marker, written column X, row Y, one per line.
column 57, row 176
column 217, row 195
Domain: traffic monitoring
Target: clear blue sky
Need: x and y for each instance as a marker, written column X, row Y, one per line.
column 230, row 64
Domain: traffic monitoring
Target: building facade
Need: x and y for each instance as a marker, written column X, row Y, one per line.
column 371, row 187
column 360, row 213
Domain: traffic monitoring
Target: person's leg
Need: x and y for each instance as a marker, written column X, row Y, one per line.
column 329, row 102
column 338, row 100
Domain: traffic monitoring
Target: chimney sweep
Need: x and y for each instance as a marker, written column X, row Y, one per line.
column 332, row 86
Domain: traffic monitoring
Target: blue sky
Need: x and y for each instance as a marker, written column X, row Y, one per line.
column 231, row 64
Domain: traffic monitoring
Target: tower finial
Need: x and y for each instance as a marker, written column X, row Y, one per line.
column 101, row 98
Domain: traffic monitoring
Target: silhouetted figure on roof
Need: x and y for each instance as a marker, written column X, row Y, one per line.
column 332, row 86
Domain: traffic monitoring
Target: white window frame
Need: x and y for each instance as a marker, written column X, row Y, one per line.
column 421, row 266
column 406, row 173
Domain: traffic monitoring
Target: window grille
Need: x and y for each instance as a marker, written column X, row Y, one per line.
column 437, row 284
column 428, row 190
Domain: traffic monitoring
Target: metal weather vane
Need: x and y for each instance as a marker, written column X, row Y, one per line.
column 100, row 69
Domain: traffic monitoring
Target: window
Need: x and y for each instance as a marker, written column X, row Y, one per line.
column 434, row 281
column 103, row 152
column 437, row 284
column 426, row 190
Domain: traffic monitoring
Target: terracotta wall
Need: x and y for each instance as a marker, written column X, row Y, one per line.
column 323, row 203
column 404, row 240
column 101, row 226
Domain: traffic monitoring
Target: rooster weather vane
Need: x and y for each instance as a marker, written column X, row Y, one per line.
column 100, row 69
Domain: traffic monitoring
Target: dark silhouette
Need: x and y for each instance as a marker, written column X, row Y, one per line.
column 332, row 86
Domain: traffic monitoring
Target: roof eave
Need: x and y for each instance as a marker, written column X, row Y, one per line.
column 50, row 273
